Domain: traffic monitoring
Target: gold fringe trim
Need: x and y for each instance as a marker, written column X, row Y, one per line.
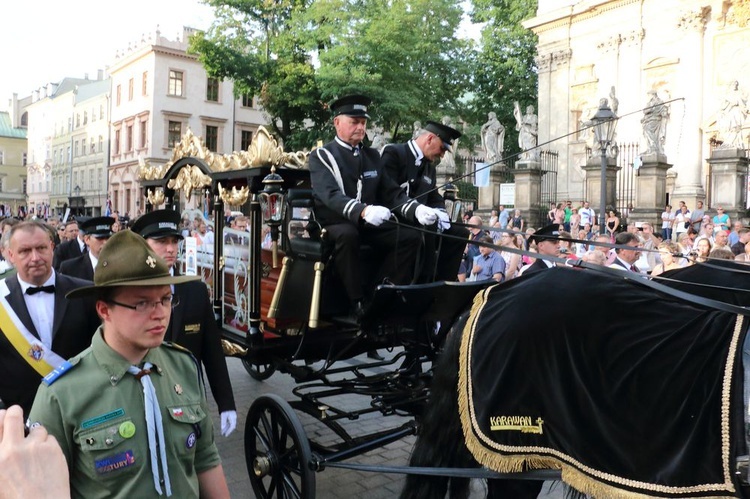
column 570, row 474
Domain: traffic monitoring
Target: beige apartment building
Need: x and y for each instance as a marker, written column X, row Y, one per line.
column 159, row 91
column 693, row 53
column 13, row 156
column 67, row 147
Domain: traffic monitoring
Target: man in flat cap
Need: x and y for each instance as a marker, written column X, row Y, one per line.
column 411, row 166
column 40, row 327
column 354, row 198
column 96, row 232
column 192, row 325
column 547, row 243
column 130, row 412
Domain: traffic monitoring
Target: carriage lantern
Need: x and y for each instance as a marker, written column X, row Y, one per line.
column 452, row 203
column 273, row 204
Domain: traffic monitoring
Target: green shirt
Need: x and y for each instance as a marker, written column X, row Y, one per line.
column 96, row 412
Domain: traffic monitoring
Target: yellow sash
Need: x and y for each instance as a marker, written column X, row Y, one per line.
column 42, row 359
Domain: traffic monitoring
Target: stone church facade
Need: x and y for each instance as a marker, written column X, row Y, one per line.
column 690, row 52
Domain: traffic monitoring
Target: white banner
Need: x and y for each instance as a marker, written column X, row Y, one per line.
column 481, row 175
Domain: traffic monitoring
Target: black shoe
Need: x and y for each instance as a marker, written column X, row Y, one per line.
column 373, row 354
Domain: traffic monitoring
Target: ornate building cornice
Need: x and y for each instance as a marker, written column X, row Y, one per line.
column 738, row 13
column 543, row 62
column 694, row 20
column 613, row 43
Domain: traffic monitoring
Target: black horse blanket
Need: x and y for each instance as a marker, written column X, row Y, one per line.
column 627, row 390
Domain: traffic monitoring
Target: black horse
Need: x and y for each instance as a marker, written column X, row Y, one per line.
column 626, row 387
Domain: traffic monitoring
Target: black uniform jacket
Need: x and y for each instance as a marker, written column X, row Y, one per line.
column 537, row 266
column 400, row 162
column 74, row 323
column 336, row 203
column 67, row 250
column 80, row 267
column 193, row 326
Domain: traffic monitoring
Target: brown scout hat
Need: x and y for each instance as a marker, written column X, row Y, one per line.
column 127, row 260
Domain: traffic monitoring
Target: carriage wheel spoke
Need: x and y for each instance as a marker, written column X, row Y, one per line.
column 291, row 486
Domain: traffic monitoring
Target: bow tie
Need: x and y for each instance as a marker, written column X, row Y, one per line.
column 40, row 289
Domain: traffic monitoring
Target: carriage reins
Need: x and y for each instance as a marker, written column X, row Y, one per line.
column 480, row 473
column 639, row 278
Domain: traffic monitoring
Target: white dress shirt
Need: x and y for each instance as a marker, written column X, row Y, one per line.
column 41, row 307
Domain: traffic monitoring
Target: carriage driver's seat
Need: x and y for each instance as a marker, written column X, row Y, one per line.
column 303, row 284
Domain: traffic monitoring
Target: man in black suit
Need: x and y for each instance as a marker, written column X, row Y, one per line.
column 40, row 327
column 72, row 248
column 410, row 165
column 96, row 232
column 192, row 324
column 353, row 201
column 547, row 243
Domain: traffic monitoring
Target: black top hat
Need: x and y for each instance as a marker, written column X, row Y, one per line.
column 158, row 224
column 97, row 226
column 551, row 231
column 351, row 105
column 127, row 260
column 446, row 133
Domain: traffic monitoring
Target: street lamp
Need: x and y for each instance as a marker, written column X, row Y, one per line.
column 604, row 123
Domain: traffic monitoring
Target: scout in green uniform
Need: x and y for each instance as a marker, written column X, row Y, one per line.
column 130, row 412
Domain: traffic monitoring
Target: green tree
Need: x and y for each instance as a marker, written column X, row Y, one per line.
column 505, row 69
column 252, row 44
column 404, row 54
column 299, row 54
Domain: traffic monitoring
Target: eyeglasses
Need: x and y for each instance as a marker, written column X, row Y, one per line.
column 144, row 307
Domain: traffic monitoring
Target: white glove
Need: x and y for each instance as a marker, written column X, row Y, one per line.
column 426, row 215
column 376, row 215
column 444, row 221
column 228, row 422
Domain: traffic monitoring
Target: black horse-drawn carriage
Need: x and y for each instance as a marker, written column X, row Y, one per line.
column 280, row 309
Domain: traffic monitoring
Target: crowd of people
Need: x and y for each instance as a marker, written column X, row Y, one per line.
column 84, row 304
column 87, row 308
column 687, row 237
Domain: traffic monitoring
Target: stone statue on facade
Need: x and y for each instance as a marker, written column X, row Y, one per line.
column 528, row 132
column 733, row 111
column 378, row 140
column 654, row 122
column 493, row 139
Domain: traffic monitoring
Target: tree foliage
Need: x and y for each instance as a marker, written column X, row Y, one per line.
column 505, row 70
column 298, row 55
column 251, row 42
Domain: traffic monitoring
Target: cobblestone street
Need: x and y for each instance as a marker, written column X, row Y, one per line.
column 330, row 483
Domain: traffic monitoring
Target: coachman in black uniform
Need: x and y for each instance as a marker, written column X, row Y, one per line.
column 96, row 232
column 410, row 165
column 354, row 198
column 192, row 324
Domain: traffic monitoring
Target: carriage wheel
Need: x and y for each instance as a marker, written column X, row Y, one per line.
column 259, row 371
column 277, row 451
